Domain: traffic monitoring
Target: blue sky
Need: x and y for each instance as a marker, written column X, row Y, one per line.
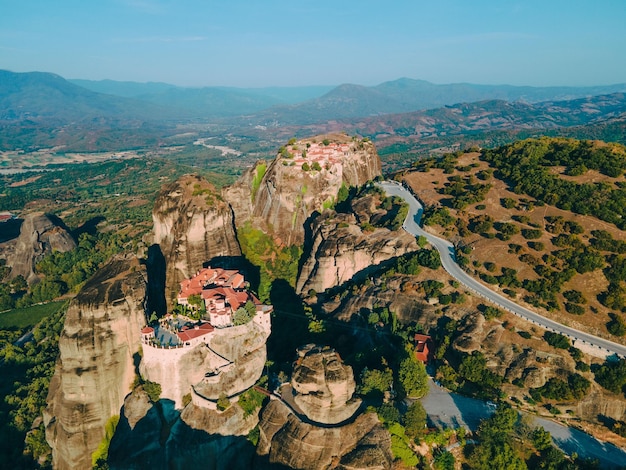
column 301, row 42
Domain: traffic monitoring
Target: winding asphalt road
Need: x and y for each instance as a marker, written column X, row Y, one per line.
column 447, row 252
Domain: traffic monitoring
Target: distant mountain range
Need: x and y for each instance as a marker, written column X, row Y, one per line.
column 493, row 115
column 97, row 114
column 405, row 95
column 39, row 94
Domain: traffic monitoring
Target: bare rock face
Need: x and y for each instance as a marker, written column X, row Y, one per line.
column 242, row 348
column 96, row 364
column 192, row 224
column 472, row 333
column 323, row 386
column 286, row 440
column 306, row 175
column 601, row 403
column 340, row 248
column 40, row 234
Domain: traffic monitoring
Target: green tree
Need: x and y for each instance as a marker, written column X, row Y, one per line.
column 616, row 326
column 400, row 445
column 223, row 403
column 250, row 401
column 541, row 439
column 343, row 193
column 19, row 284
column 196, row 301
column 412, row 376
column 612, row 376
column 375, row 380
column 556, row 340
column 415, row 419
column 241, row 316
column 444, row 461
column 153, row 389
column 99, row 457
column 388, row 413
column 494, row 450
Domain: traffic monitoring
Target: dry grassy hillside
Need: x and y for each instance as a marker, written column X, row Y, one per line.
column 549, row 258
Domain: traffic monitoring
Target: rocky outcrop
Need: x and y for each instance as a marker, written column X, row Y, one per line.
column 286, row 440
column 340, row 248
column 237, row 352
column 323, row 387
column 314, row 425
column 192, row 224
column 40, row 234
column 303, row 178
column 600, row 403
column 97, row 352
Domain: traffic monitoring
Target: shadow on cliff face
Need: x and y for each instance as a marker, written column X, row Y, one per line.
column 155, row 267
column 10, row 229
column 251, row 272
column 308, row 240
column 160, row 439
column 289, row 324
column 89, row 227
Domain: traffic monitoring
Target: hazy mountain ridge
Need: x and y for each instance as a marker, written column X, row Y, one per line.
column 44, row 96
column 406, row 95
column 42, row 110
column 154, row 91
column 497, row 114
column 37, row 93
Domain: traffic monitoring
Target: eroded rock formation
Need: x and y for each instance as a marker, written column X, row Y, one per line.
column 40, row 234
column 341, row 248
column 323, row 386
column 363, row 444
column 322, row 393
column 192, row 224
column 98, row 351
column 280, row 196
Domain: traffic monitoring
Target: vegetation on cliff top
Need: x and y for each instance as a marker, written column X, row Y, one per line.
column 275, row 262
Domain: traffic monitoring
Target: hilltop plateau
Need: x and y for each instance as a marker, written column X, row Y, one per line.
column 304, row 177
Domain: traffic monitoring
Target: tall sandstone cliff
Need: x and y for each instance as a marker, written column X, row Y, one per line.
column 342, row 245
column 96, row 367
column 303, row 177
column 321, row 427
column 40, row 234
column 192, row 224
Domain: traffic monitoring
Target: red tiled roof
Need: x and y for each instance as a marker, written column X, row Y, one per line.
column 234, row 298
column 190, row 334
column 207, row 276
column 147, row 330
column 422, row 347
